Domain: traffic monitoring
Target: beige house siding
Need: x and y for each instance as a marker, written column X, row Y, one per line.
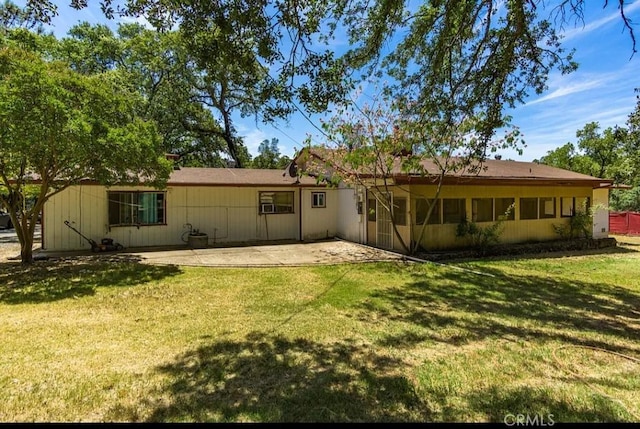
column 226, row 214
column 351, row 214
column 231, row 214
column 443, row 236
column 319, row 222
column 371, row 234
column 600, row 203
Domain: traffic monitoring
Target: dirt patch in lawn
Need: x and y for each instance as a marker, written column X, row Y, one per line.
column 9, row 250
column 627, row 240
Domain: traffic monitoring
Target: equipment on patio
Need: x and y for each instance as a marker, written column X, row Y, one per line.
column 105, row 245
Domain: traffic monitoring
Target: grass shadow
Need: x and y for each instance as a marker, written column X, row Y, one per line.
column 620, row 250
column 270, row 378
column 540, row 407
column 53, row 280
column 457, row 307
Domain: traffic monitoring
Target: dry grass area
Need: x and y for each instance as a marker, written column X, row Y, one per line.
column 627, row 240
column 9, row 250
column 93, row 339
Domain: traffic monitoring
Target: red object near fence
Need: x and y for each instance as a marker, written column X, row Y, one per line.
column 624, row 223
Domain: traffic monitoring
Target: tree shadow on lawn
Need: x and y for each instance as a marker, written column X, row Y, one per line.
column 266, row 377
column 507, row 252
column 476, row 307
column 619, row 249
column 48, row 281
column 538, row 404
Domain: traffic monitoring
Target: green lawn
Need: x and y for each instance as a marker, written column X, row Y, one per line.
column 122, row 341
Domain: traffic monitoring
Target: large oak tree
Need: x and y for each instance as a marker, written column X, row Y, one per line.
column 164, row 71
column 441, row 57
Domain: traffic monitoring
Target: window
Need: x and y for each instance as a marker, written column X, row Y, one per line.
column 528, row 208
column 547, row 207
column 537, row 208
column 318, row 199
column 453, row 210
column 400, row 211
column 136, row 208
column 276, row 202
column 503, row 205
column 371, row 209
column 582, row 205
column 567, row 208
column 482, row 209
column 422, row 208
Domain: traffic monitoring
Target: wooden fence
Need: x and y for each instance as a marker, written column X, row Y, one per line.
column 624, row 223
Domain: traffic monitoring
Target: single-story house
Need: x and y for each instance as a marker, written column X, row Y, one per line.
column 227, row 204
column 246, row 205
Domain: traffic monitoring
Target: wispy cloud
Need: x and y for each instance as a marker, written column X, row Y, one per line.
column 606, row 84
column 252, row 138
column 548, row 129
column 587, row 28
column 569, row 88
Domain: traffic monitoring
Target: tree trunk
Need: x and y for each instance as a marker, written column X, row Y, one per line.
column 417, row 242
column 26, row 249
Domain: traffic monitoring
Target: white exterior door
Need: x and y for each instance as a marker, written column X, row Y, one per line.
column 384, row 229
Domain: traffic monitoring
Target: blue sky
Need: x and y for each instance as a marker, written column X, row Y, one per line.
column 601, row 90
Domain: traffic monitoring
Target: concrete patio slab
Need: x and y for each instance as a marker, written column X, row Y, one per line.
column 298, row 254
column 261, row 255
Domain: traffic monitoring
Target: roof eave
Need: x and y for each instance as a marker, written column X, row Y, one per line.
column 595, row 183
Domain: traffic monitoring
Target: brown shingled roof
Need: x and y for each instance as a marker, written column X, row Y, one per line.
column 234, row 177
column 499, row 169
column 491, row 172
column 497, row 172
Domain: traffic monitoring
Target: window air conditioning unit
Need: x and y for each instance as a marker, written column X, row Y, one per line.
column 268, row 208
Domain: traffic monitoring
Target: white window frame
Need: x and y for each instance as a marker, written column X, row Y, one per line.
column 318, row 200
column 268, row 203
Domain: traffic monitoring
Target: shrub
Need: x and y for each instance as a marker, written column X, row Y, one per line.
column 580, row 225
column 481, row 238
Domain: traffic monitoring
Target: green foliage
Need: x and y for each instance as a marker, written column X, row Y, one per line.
column 162, row 69
column 579, row 225
column 451, row 62
column 612, row 154
column 270, row 156
column 13, row 16
column 191, row 101
column 284, row 49
column 625, row 200
column 598, row 154
column 60, row 127
column 482, row 237
column 568, row 158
